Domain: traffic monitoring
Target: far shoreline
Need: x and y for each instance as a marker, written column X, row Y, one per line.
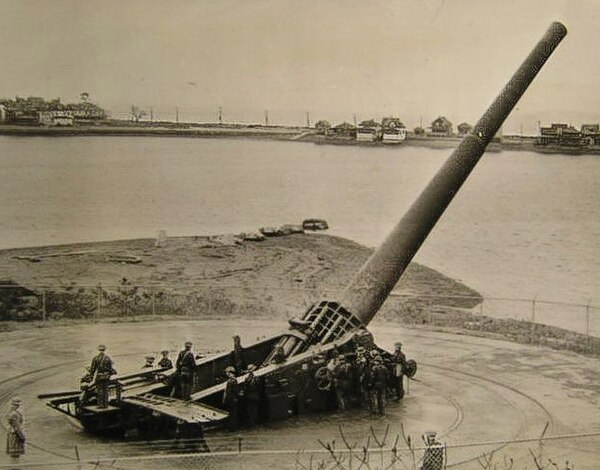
column 276, row 132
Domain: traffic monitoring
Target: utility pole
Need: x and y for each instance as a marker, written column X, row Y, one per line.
column 177, row 114
column 354, row 119
column 266, row 117
column 307, row 119
column 151, row 114
column 220, row 115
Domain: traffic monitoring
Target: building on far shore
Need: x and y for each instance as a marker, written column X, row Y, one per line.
column 35, row 111
column 56, row 118
column 441, row 127
column 394, row 130
column 560, row 134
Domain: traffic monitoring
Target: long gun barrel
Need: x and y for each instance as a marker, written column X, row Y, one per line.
column 372, row 284
column 378, row 276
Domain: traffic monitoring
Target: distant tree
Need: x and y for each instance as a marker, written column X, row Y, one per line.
column 323, row 127
column 369, row 123
column 136, row 114
column 419, row 131
column 464, row 128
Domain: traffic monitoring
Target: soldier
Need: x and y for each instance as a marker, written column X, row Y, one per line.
column 252, row 391
column 434, row 453
column 186, row 365
column 231, row 398
column 399, row 364
column 237, row 355
column 362, row 378
column 165, row 362
column 15, row 437
column 378, row 382
column 84, row 385
column 149, row 363
column 101, row 371
column 342, row 381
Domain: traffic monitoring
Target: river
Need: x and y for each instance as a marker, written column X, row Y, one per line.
column 523, row 225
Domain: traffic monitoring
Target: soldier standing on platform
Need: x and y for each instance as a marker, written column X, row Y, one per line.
column 399, row 364
column 185, row 371
column 252, row 392
column 231, row 398
column 165, row 362
column 237, row 355
column 149, row 363
column 15, row 437
column 101, row 370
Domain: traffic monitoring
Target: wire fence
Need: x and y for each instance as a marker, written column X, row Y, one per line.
column 380, row 449
column 560, row 325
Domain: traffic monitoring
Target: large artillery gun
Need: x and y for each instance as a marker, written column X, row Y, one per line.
column 291, row 364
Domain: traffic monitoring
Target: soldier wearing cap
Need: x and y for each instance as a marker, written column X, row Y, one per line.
column 231, row 398
column 165, row 362
column 15, row 437
column 252, row 388
column 237, row 355
column 342, row 381
column 398, row 368
column 101, row 370
column 149, row 363
column 434, row 453
column 186, row 365
column 378, row 379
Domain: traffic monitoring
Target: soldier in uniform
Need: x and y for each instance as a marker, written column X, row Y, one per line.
column 15, row 437
column 101, row 370
column 399, row 364
column 185, row 365
column 165, row 362
column 231, row 398
column 378, row 383
column 237, row 355
column 434, row 453
column 149, row 363
column 252, row 388
column 342, row 381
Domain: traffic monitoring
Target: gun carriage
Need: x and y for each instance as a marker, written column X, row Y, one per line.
column 291, row 364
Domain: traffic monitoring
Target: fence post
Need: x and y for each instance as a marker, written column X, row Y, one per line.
column 481, row 305
column 44, row 304
column 153, row 294
column 98, row 300
column 587, row 325
column 533, row 309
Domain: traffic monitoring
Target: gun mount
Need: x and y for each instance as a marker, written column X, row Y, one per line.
column 292, row 366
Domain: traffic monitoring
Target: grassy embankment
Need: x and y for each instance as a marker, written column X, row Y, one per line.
column 201, row 277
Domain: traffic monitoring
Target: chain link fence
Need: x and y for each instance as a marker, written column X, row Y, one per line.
column 378, row 450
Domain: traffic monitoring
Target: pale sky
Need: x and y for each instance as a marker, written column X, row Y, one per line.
column 413, row 59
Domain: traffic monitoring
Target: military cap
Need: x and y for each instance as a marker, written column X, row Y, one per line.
column 342, row 356
column 188, row 343
column 165, row 351
column 149, row 358
column 374, row 353
column 229, row 369
column 397, row 344
column 15, row 401
column 251, row 368
column 101, row 347
column 377, row 359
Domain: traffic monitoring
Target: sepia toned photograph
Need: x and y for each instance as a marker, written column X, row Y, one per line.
column 307, row 235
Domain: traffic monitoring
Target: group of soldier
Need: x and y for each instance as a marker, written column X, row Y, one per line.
column 375, row 376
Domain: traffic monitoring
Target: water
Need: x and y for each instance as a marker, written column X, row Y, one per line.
column 524, row 225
